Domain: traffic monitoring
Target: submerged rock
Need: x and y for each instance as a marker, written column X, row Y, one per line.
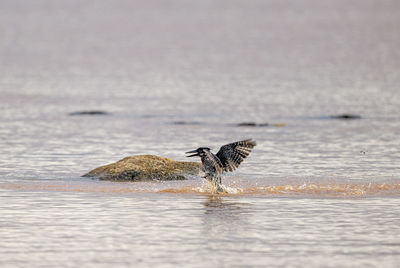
column 90, row 112
column 346, row 116
column 186, row 123
column 253, row 124
column 146, row 167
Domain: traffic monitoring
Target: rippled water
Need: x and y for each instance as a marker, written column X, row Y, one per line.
column 174, row 76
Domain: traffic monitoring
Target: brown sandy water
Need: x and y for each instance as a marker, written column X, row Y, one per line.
column 320, row 190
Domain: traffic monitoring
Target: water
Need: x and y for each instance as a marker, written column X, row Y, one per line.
column 315, row 191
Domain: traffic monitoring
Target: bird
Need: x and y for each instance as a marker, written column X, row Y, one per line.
column 227, row 159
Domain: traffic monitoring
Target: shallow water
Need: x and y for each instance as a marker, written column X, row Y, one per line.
column 71, row 229
column 174, row 76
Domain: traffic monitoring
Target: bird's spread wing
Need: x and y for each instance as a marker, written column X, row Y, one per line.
column 231, row 155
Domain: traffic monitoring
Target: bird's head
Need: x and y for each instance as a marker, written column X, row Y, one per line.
column 198, row 152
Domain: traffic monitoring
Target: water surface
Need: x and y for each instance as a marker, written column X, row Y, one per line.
column 315, row 192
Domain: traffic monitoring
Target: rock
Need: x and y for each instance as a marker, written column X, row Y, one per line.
column 94, row 112
column 147, row 167
column 346, row 116
column 253, row 124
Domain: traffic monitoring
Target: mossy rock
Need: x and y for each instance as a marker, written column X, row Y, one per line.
column 147, row 167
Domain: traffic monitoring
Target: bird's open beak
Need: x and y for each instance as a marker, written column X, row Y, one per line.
column 191, row 152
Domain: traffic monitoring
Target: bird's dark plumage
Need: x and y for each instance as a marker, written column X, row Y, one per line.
column 227, row 159
column 231, row 155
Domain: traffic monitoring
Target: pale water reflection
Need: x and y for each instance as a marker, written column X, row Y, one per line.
column 67, row 229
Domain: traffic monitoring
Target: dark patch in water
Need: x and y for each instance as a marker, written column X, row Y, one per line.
column 252, row 124
column 93, row 112
column 186, row 123
column 345, row 116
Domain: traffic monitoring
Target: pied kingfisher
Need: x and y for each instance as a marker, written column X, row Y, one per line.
column 227, row 159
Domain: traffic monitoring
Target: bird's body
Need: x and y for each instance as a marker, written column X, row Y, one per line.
column 227, row 159
column 213, row 169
